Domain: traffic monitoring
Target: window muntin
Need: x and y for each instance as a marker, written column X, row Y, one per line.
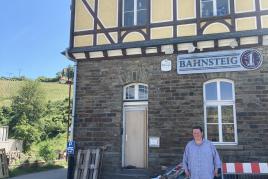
column 219, row 112
column 136, row 92
column 135, row 12
column 214, row 8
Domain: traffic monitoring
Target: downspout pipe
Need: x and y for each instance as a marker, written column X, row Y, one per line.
column 71, row 158
column 66, row 54
column 74, row 102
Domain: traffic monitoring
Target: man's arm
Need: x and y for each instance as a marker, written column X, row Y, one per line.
column 186, row 160
column 216, row 160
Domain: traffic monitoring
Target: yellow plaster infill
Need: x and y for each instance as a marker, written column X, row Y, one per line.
column 205, row 44
column 244, row 6
column 114, row 36
column 150, row 50
column 229, row 21
column 133, row 37
column 264, row 4
column 264, row 21
column 83, row 19
column 225, row 42
column 216, row 28
column 91, row 4
column 79, row 55
column 102, row 39
column 265, row 40
column 162, row 32
column 114, row 53
column 202, row 24
column 186, row 30
column 248, row 40
column 123, row 32
column 184, row 46
column 83, row 40
column 108, row 13
column 167, row 49
column 186, row 9
column 161, row 10
column 133, row 51
column 248, row 23
column 98, row 54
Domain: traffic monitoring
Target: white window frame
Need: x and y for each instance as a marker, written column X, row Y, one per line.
column 135, row 13
column 136, row 91
column 214, row 8
column 219, row 103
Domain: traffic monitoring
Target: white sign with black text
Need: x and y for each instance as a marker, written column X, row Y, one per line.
column 220, row 61
column 166, row 65
column 154, row 141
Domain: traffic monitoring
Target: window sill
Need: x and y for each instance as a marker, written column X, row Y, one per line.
column 202, row 19
column 133, row 26
column 229, row 147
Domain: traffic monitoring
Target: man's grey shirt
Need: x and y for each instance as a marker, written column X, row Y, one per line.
column 201, row 159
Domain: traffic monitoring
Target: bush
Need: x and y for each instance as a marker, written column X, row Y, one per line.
column 47, row 152
column 26, row 132
column 45, row 79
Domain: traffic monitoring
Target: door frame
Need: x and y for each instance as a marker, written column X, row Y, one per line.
column 143, row 105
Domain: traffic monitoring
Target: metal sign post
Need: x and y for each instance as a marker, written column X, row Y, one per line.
column 70, row 153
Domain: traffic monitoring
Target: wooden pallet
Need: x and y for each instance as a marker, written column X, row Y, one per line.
column 87, row 164
column 3, row 164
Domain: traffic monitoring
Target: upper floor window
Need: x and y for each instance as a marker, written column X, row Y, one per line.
column 134, row 12
column 219, row 112
column 136, row 92
column 214, row 8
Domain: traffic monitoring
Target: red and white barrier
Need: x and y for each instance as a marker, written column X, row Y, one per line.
column 245, row 168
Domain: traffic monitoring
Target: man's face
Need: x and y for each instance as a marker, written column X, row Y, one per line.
column 197, row 134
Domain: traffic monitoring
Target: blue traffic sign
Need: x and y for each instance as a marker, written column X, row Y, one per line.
column 70, row 147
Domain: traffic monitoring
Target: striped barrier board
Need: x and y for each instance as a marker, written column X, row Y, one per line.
column 245, row 168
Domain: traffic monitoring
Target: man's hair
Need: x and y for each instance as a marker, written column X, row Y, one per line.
column 198, row 127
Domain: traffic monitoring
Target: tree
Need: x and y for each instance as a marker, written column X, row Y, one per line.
column 5, row 113
column 70, row 72
column 47, row 152
column 29, row 101
column 26, row 132
column 54, row 121
column 66, row 72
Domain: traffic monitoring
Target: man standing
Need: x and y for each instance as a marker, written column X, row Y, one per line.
column 200, row 159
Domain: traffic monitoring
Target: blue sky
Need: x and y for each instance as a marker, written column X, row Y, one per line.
column 32, row 35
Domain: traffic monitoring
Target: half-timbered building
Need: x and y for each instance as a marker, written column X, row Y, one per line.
column 149, row 70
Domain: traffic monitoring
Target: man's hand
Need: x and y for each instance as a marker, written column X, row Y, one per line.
column 216, row 172
column 187, row 173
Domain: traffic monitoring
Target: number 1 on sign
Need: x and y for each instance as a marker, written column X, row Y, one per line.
column 251, row 59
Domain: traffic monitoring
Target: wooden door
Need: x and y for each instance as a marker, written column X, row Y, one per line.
column 135, row 153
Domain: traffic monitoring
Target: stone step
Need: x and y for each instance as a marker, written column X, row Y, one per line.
column 128, row 174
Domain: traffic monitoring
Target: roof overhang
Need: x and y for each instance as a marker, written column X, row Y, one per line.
column 102, row 51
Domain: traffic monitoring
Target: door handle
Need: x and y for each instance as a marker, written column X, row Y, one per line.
column 126, row 137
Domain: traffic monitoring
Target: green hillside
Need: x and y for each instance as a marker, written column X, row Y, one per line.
column 53, row 91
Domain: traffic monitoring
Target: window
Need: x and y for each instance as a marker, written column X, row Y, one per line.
column 136, row 92
column 214, row 8
column 134, row 12
column 219, row 112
